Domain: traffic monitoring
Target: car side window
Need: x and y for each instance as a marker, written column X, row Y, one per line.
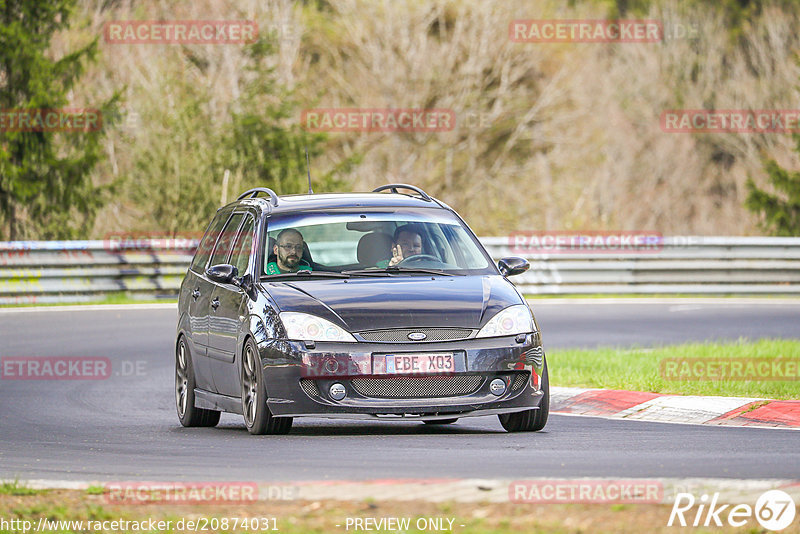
column 203, row 251
column 243, row 246
column 225, row 242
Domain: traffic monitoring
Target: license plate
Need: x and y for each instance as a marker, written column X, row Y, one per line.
column 440, row 362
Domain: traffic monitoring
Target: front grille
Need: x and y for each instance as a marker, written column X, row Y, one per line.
column 419, row 387
column 400, row 335
column 310, row 387
column 519, row 381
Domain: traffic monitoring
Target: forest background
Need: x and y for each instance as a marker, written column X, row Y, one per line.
column 548, row 136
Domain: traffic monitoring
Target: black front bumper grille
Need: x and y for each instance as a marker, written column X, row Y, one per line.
column 400, row 335
column 519, row 381
column 310, row 388
column 417, row 387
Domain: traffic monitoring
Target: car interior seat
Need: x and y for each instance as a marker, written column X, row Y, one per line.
column 374, row 247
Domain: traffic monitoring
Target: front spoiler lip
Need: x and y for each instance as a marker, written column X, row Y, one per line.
column 420, row 412
column 414, row 417
column 412, row 408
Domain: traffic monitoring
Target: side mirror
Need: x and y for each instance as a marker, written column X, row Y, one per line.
column 246, row 283
column 222, row 274
column 513, row 265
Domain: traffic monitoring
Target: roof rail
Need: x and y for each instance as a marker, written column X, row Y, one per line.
column 394, row 187
column 253, row 193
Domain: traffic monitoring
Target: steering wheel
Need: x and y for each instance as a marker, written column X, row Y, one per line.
column 416, row 259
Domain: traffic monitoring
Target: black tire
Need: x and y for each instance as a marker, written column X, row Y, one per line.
column 530, row 420
column 188, row 413
column 257, row 417
column 442, row 421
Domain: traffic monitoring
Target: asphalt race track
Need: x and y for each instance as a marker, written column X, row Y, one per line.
column 125, row 427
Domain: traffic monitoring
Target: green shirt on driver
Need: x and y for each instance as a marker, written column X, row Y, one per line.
column 272, row 267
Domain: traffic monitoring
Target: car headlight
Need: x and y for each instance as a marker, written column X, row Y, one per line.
column 305, row 327
column 513, row 320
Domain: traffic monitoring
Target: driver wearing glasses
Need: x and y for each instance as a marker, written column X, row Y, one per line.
column 288, row 252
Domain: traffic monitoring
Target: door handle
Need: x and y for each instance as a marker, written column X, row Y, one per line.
column 196, row 293
column 215, row 303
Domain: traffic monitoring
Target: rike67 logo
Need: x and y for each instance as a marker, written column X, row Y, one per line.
column 774, row 510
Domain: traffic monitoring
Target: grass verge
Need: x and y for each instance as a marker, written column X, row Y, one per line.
column 110, row 298
column 326, row 516
column 15, row 488
column 688, row 369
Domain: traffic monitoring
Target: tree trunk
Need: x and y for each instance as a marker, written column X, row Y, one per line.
column 12, row 221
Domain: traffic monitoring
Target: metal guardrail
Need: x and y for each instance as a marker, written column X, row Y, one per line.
column 679, row 264
column 54, row 271
column 59, row 271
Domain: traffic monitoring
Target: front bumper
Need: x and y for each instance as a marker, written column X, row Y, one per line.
column 298, row 377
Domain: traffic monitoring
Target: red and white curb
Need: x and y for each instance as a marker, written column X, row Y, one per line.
column 691, row 409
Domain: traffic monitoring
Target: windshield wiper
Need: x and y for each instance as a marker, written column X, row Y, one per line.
column 395, row 268
column 306, row 274
column 401, row 270
column 367, row 272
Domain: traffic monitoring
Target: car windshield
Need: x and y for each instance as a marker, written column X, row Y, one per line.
column 372, row 243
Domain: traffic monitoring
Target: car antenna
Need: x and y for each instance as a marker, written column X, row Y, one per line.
column 308, row 170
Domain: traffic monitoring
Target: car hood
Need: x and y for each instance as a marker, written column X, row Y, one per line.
column 361, row 304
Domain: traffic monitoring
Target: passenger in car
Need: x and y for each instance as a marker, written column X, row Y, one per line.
column 288, row 252
column 407, row 242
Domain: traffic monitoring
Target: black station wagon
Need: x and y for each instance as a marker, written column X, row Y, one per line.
column 377, row 305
